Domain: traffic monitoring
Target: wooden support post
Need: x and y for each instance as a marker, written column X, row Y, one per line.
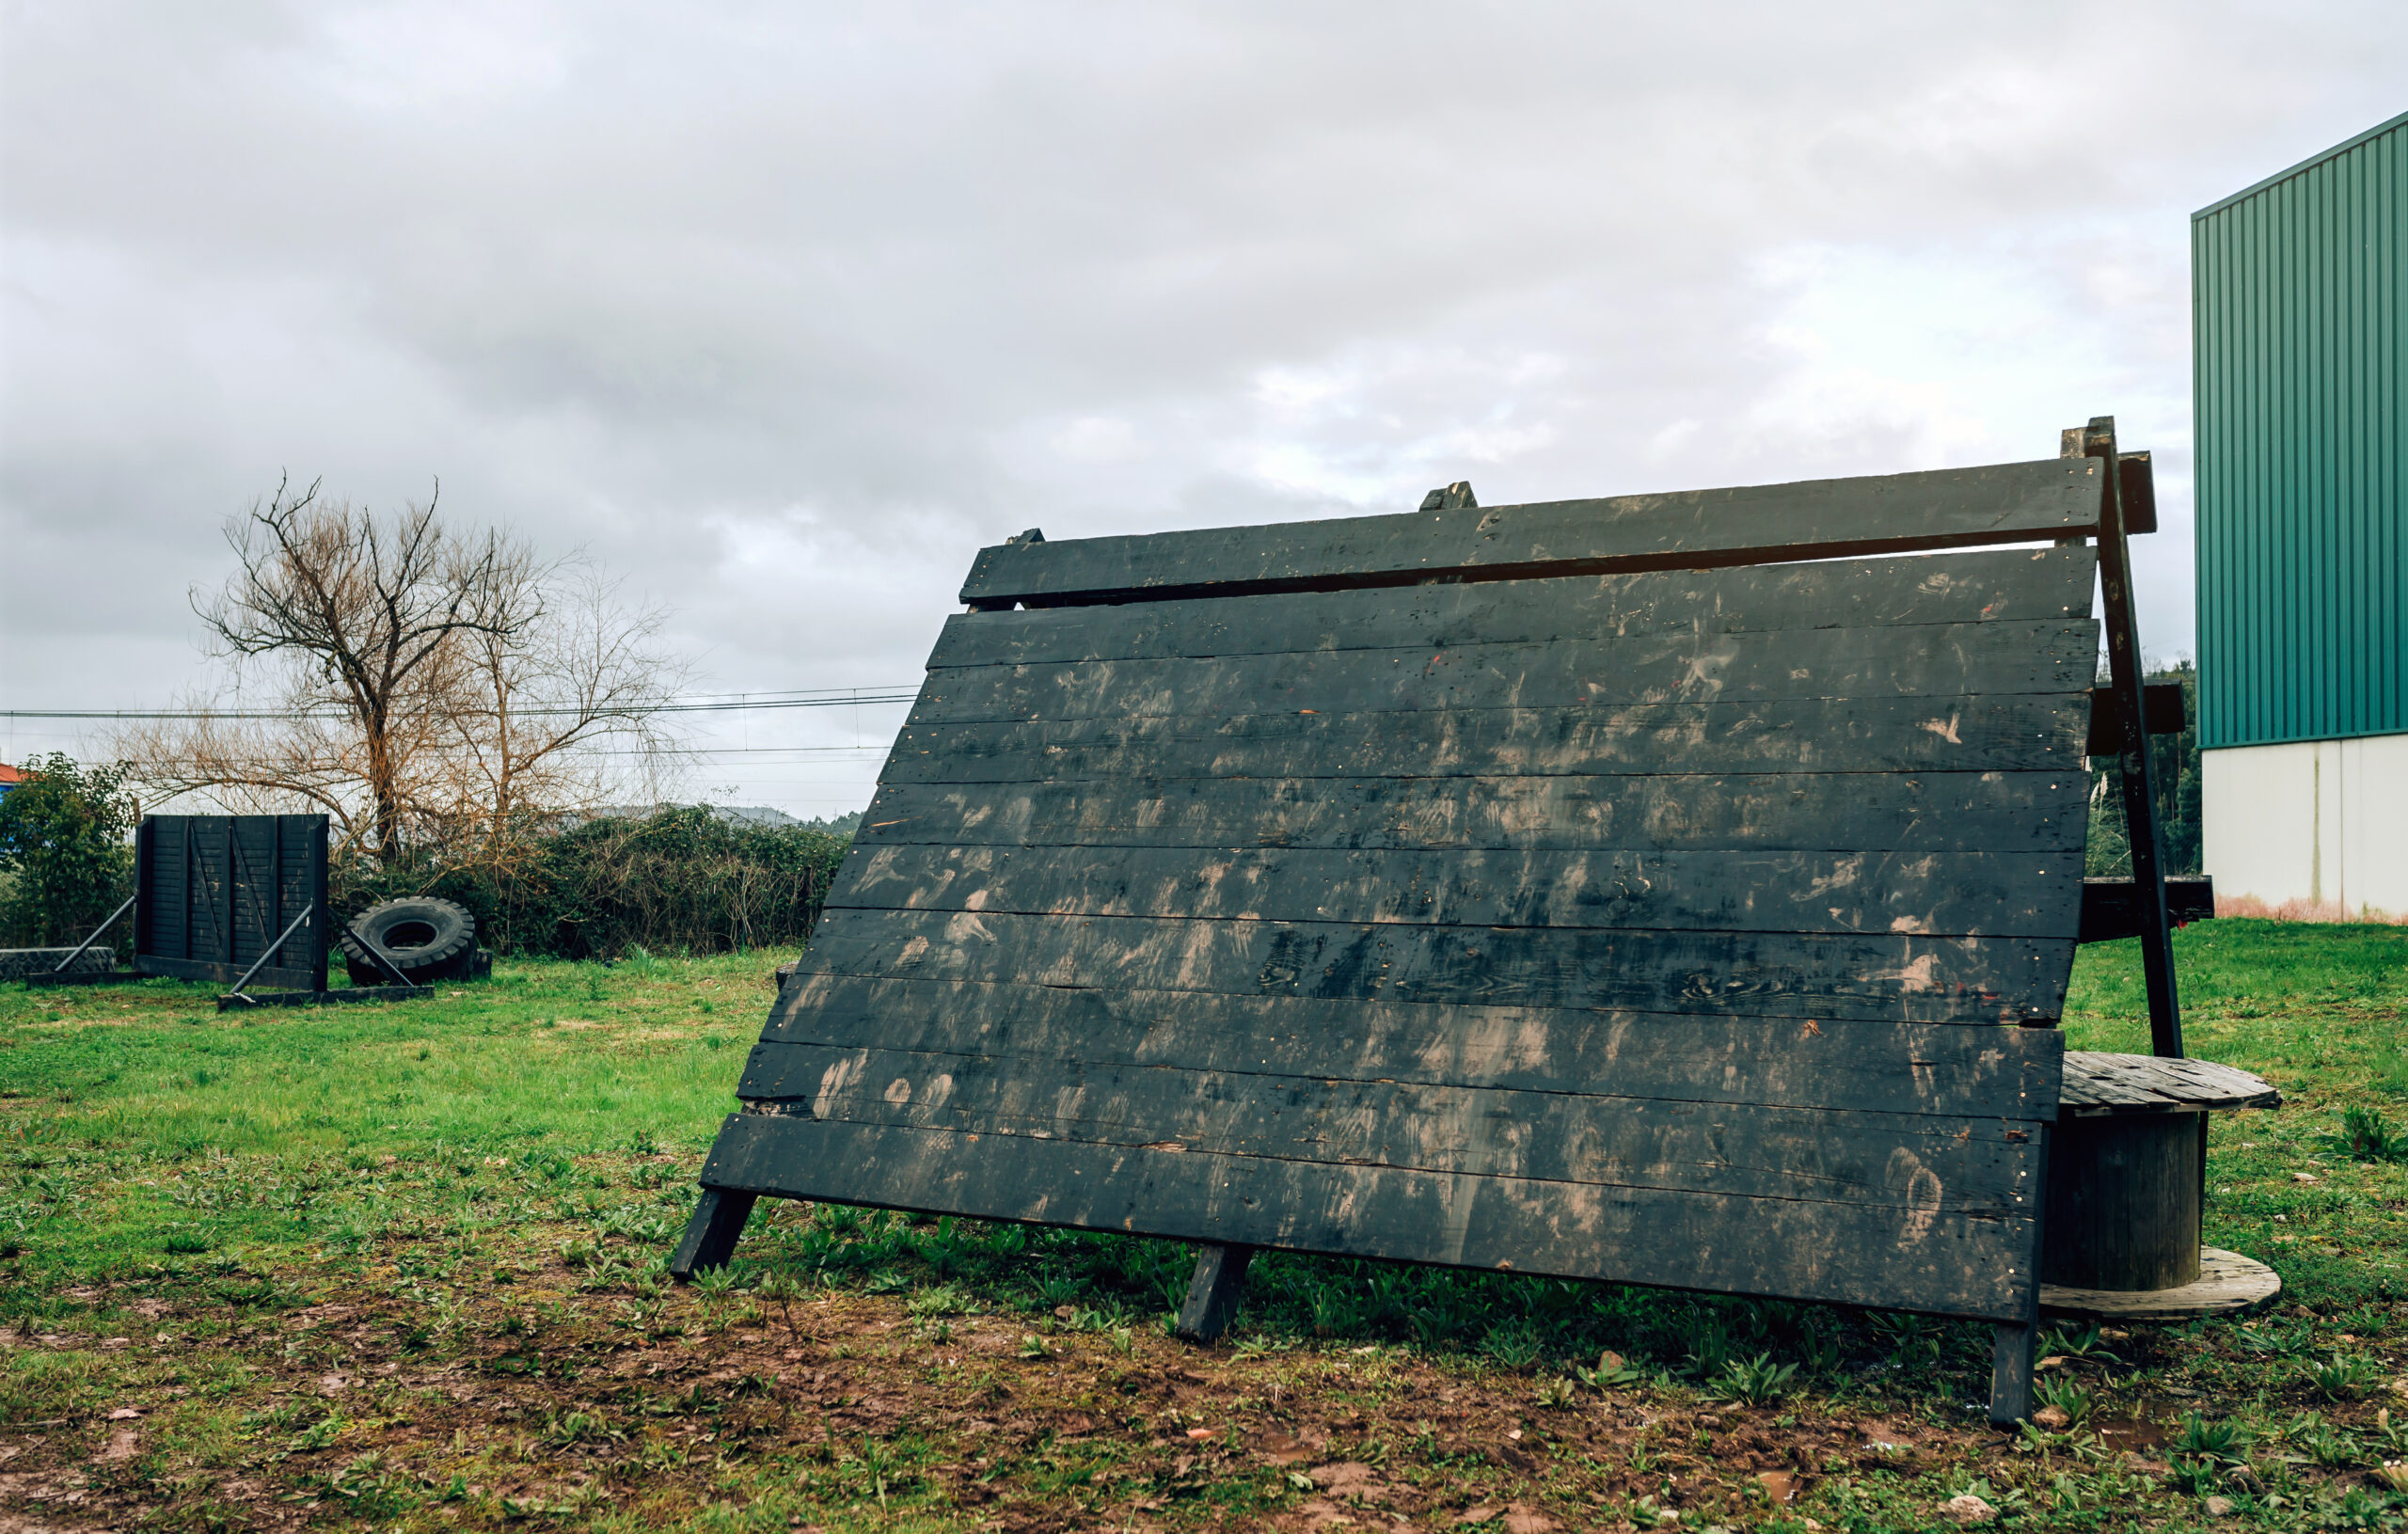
column 322, row 925
column 146, row 841
column 711, row 1234
column 1214, row 1294
column 2097, row 440
column 225, row 888
column 2011, row 1372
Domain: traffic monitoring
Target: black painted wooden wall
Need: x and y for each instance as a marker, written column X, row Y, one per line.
column 1669, row 926
column 216, row 890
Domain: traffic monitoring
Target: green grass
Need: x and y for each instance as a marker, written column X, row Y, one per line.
column 455, row 1210
column 277, row 1124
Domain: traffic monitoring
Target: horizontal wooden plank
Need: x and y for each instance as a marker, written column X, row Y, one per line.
column 2128, row 1083
column 1945, row 661
column 1833, row 1063
column 1955, row 893
column 2111, row 907
column 182, row 968
column 1915, row 1258
column 2002, row 503
column 2162, row 712
column 1909, row 979
column 2040, row 732
column 1976, row 811
column 1992, row 585
column 1557, row 1136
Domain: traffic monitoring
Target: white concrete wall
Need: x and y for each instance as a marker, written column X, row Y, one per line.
column 2322, row 822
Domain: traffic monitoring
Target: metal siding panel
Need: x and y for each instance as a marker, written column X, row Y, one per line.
column 2298, row 333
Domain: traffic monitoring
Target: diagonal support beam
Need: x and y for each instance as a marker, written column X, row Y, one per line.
column 2097, row 440
column 1215, row 1292
column 712, row 1235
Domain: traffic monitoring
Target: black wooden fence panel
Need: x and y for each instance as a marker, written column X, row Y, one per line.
column 218, row 890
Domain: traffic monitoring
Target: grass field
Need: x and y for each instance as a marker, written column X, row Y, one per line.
column 399, row 1267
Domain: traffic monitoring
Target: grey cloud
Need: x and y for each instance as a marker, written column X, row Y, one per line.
column 783, row 312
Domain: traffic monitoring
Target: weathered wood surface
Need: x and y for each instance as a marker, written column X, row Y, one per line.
column 2229, row 1285
column 2012, row 1350
column 2004, row 586
column 1952, row 661
column 1876, row 1067
column 2033, row 733
column 1912, row 891
column 1888, row 812
column 1917, row 1258
column 1554, row 1136
column 2100, row 1083
column 2124, row 1202
column 712, row 1232
column 1665, row 927
column 1214, row 1294
column 1684, row 530
column 1787, row 974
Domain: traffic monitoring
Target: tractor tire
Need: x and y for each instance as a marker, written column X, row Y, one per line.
column 429, row 940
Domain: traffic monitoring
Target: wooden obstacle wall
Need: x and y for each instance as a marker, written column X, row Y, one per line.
column 1466, row 888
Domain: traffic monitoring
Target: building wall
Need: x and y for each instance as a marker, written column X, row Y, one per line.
column 2315, row 823
column 2299, row 379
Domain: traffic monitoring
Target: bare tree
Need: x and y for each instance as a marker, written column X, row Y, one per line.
column 360, row 607
column 429, row 690
column 547, row 712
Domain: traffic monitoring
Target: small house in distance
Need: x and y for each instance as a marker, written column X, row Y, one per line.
column 2300, row 342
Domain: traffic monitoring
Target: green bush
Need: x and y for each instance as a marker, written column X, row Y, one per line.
column 681, row 880
column 63, row 847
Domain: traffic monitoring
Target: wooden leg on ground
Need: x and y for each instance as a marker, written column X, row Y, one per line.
column 2011, row 1375
column 1214, row 1294
column 711, row 1234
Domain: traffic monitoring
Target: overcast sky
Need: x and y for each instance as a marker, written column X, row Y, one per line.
column 782, row 311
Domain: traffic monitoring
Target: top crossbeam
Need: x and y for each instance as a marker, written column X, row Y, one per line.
column 2051, row 499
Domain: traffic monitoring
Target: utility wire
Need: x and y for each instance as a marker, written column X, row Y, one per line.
column 735, row 703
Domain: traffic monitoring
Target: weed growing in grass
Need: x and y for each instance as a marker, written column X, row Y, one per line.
column 1753, row 1381
column 2084, row 1345
column 2323, row 1444
column 2342, row 1376
column 1558, row 1393
column 2068, row 1396
column 2209, row 1452
column 1515, row 1346
column 943, row 1300
column 1612, row 1372
column 2365, row 1137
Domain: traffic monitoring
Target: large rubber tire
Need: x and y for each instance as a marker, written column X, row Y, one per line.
column 430, row 939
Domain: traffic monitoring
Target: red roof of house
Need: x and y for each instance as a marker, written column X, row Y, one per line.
column 10, row 774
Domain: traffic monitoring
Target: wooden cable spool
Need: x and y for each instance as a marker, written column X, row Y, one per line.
column 2127, row 1179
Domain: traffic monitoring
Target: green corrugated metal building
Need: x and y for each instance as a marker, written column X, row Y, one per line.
column 2300, row 335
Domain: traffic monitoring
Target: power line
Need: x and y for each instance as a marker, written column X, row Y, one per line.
column 744, row 750
column 733, row 702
